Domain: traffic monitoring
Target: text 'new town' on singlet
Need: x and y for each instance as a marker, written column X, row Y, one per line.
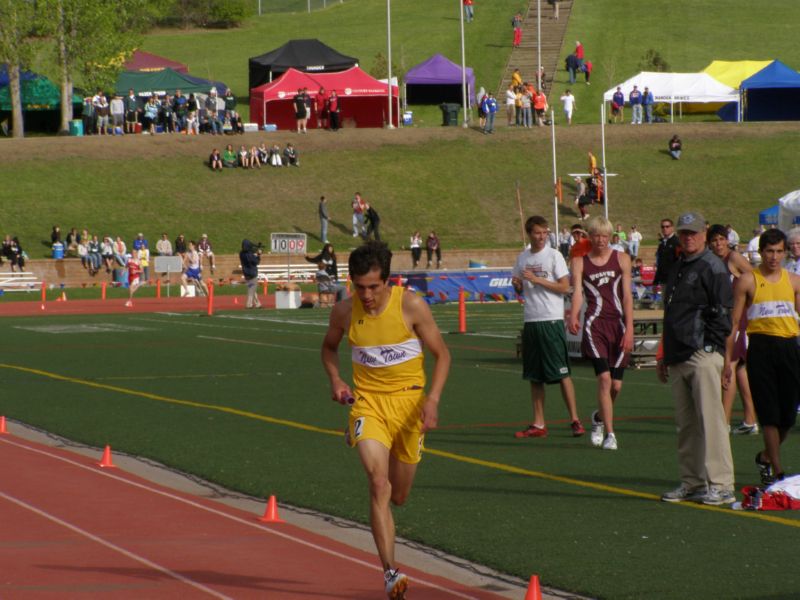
column 387, row 356
column 772, row 311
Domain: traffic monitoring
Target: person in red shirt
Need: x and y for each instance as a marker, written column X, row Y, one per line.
column 587, row 70
column 581, row 244
column 468, row 11
column 321, row 106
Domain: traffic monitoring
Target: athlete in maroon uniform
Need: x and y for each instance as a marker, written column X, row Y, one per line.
column 603, row 276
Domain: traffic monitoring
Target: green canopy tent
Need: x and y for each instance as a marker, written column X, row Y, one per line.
column 162, row 82
column 38, row 93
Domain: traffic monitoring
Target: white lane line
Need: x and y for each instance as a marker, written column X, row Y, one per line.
column 254, row 524
column 253, row 343
column 114, row 547
column 274, row 320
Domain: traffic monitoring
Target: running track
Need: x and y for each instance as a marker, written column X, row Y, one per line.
column 72, row 530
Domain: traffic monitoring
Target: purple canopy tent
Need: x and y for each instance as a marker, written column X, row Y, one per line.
column 437, row 80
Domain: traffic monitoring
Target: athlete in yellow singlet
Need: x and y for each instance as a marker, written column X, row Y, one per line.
column 387, row 328
column 772, row 298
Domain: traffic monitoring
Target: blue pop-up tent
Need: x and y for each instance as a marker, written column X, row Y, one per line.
column 772, row 94
column 769, row 216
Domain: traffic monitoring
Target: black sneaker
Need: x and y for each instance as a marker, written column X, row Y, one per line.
column 764, row 470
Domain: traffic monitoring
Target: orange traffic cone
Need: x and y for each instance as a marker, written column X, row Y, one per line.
column 106, row 461
column 3, row 426
column 271, row 514
column 534, row 589
column 63, row 297
column 236, row 300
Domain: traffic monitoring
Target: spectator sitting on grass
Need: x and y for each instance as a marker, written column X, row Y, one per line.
column 275, row 156
column 263, row 153
column 290, row 156
column 675, row 147
column 164, row 246
column 229, row 157
column 215, row 160
column 244, row 157
column 255, row 159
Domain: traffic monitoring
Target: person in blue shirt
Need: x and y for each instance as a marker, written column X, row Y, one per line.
column 635, row 99
column 618, row 106
column 647, row 102
column 490, row 109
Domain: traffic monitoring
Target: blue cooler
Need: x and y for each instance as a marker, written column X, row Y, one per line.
column 76, row 127
column 58, row 250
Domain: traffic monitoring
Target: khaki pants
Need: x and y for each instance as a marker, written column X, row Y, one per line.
column 704, row 449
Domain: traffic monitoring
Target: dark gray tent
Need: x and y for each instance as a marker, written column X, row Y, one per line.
column 309, row 56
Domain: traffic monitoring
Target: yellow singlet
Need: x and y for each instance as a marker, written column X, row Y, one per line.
column 772, row 311
column 387, row 357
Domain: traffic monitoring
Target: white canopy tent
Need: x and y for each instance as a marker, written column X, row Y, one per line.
column 789, row 211
column 678, row 88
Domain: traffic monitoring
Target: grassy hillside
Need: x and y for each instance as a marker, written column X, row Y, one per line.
column 455, row 181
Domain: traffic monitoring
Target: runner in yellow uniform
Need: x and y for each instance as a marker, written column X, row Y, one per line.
column 387, row 328
column 772, row 298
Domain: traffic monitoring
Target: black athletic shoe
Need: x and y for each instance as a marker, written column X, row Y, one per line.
column 764, row 470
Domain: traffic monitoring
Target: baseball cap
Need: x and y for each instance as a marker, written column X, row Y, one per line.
column 691, row 221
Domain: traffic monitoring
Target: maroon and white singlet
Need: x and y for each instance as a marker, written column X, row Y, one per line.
column 604, row 323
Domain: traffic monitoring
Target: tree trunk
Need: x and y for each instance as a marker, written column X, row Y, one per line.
column 66, row 80
column 17, row 122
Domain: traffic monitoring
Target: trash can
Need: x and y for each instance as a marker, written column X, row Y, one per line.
column 76, row 127
column 58, row 250
column 449, row 114
column 408, row 118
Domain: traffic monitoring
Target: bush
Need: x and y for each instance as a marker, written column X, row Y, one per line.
column 653, row 61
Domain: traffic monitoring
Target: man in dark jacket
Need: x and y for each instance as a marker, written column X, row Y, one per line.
column 373, row 223
column 249, row 258
column 573, row 66
column 666, row 253
column 698, row 300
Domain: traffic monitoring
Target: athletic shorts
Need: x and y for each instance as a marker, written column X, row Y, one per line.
column 394, row 420
column 544, row 352
column 134, row 281
column 193, row 274
column 603, row 339
column 773, row 368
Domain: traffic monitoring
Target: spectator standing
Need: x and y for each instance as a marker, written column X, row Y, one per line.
column 151, row 110
column 373, row 221
column 432, row 247
column 587, row 70
column 359, row 206
column 511, row 99
column 675, row 147
column 635, row 100
column 634, row 241
column 300, row 110
column 249, row 258
column 321, row 107
column 117, row 114
column 181, row 110
column 132, row 111
column 555, row 4
column 212, row 112
column 579, row 54
column 541, row 276
column 564, row 242
column 516, row 23
column 573, row 66
column 568, row 102
column 772, row 300
column 322, row 211
column 647, row 103
column 697, row 321
column 192, row 118
column 618, row 106
column 604, row 275
column 527, row 107
column 164, row 246
column 416, row 249
column 469, row 13
column 540, row 106
column 230, row 104
column 490, row 110
column 666, row 253
column 333, row 111
column 88, row 116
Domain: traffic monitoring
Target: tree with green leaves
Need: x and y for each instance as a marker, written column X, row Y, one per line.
column 92, row 41
column 17, row 25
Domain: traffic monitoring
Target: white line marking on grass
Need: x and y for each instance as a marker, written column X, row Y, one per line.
column 628, row 383
column 110, row 545
column 231, row 327
column 192, row 376
column 274, row 320
column 253, row 343
column 239, row 520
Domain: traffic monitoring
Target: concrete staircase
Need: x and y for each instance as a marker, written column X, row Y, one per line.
column 524, row 58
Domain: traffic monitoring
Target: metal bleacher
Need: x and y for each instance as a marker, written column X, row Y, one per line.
column 19, row 281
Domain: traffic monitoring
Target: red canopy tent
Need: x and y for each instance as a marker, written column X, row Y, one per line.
column 362, row 98
column 144, row 61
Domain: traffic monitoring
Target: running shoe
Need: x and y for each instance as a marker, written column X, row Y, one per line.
column 683, row 493
column 396, row 584
column 577, row 429
column 764, row 470
column 716, row 496
column 129, row 304
column 610, row 442
column 745, row 429
column 597, row 430
column 531, row 431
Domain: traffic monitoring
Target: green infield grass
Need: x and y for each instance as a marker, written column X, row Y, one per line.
column 242, row 400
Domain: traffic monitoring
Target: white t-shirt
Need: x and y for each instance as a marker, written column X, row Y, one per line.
column 568, row 101
column 752, row 251
column 635, row 236
column 542, row 304
column 511, row 98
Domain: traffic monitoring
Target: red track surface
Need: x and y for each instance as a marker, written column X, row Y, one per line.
column 117, row 306
column 71, row 529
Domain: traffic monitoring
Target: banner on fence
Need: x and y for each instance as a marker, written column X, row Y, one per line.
column 437, row 287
